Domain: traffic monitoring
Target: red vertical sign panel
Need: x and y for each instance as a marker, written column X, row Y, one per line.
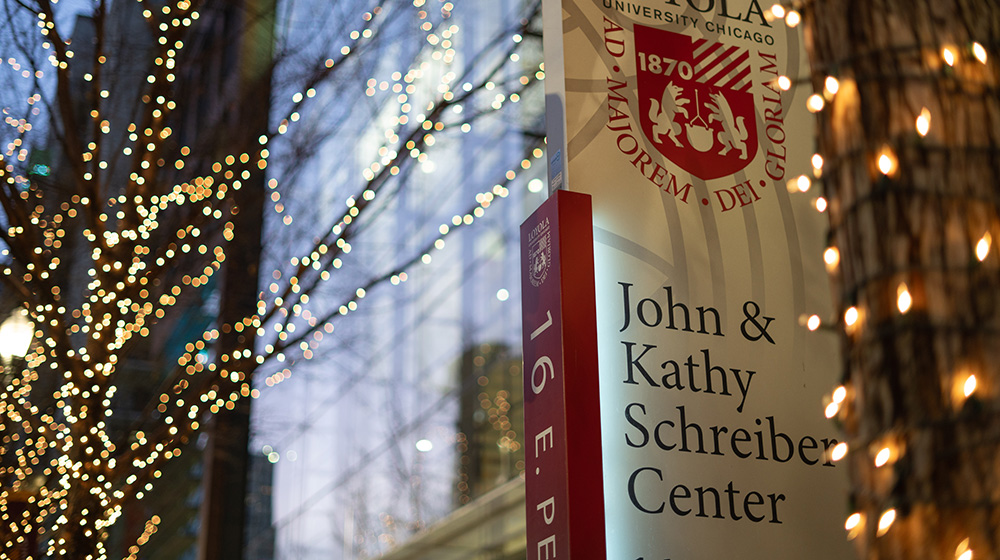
column 564, row 481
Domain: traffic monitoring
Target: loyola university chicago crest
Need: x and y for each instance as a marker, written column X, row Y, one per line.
column 695, row 104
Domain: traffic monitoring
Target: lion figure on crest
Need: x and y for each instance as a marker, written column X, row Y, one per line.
column 734, row 133
column 663, row 113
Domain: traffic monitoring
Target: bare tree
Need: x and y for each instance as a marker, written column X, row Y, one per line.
column 135, row 247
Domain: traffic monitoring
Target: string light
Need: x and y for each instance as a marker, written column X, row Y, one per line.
column 969, row 386
column 903, row 298
column 962, row 551
column 831, row 85
column 983, row 246
column 817, row 162
column 882, row 457
column 853, row 524
column 979, row 52
column 831, row 256
column 815, row 103
column 836, row 400
column 885, row 522
column 484, row 200
column 924, row 122
column 429, row 122
column 838, row 452
column 887, row 161
column 831, row 410
column 839, row 394
column 948, row 55
column 851, row 316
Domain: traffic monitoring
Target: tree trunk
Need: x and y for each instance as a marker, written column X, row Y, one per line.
column 250, row 36
column 908, row 213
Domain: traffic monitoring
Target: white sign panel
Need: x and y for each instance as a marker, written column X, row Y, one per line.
column 669, row 114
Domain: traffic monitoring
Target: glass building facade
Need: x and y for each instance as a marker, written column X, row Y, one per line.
column 400, row 434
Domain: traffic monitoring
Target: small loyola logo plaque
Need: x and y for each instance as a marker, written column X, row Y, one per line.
column 695, row 103
column 539, row 253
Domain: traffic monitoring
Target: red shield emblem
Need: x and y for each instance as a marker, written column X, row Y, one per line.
column 695, row 103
